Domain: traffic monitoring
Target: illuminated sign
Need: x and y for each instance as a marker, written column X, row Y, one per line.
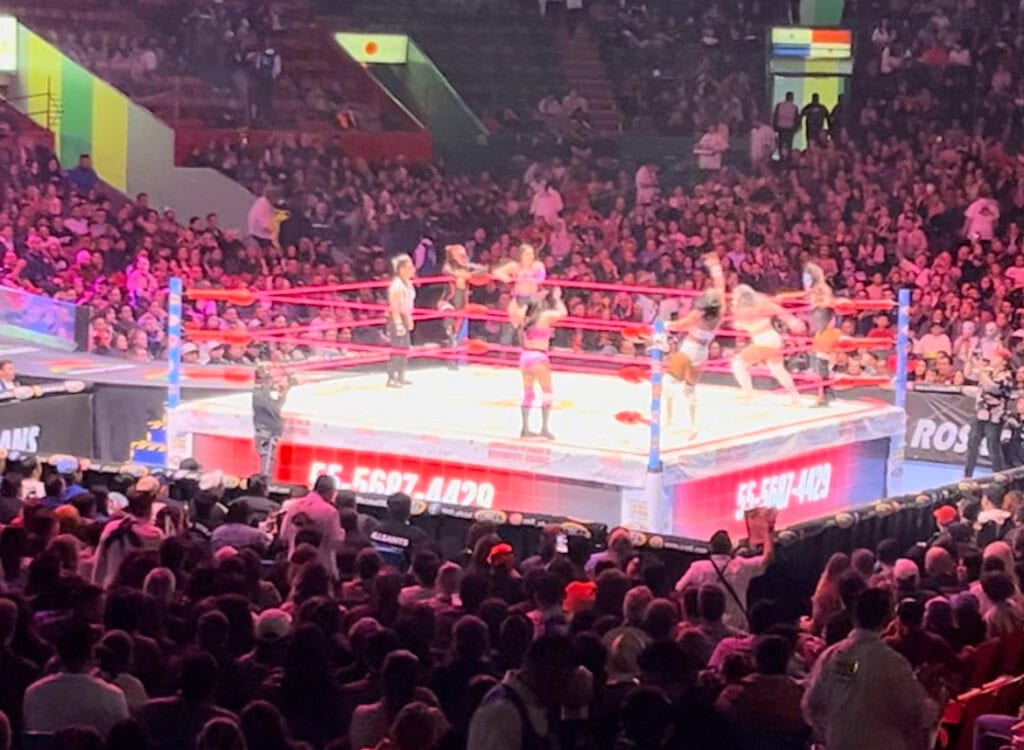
column 802, row 488
column 811, row 44
column 383, row 49
column 813, row 485
column 8, row 44
column 427, row 480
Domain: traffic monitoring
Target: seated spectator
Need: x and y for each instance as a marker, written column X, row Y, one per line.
column 920, row 647
column 1004, row 616
column 767, row 701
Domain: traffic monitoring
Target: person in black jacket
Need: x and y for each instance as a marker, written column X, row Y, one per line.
column 268, row 399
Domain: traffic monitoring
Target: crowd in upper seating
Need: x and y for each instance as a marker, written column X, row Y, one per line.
column 910, row 185
column 138, row 612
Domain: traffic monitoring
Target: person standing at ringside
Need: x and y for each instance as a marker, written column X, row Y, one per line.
column 538, row 327
column 401, row 297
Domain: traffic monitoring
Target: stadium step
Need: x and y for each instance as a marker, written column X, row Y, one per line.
column 586, row 73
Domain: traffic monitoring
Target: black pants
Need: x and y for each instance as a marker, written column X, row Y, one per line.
column 785, row 142
column 990, row 432
column 398, row 360
column 266, row 447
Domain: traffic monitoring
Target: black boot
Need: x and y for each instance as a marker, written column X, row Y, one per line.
column 403, row 362
column 393, row 381
column 525, row 432
column 544, row 431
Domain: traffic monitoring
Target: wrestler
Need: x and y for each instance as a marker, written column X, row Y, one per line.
column 401, row 297
column 821, row 320
column 456, row 296
column 536, row 330
column 699, row 325
column 754, row 314
column 527, row 273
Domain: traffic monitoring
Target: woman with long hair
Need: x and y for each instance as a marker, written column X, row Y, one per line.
column 826, row 600
column 526, row 274
column 536, row 331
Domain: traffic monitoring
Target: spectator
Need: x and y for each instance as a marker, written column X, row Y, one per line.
column 18, row 671
column 72, row 697
column 862, row 693
column 732, row 572
column 786, row 120
column 816, row 119
column 83, row 177
column 396, row 537
column 179, row 720
column 8, row 376
column 398, row 684
column 236, row 532
column 135, row 531
column 919, row 646
column 315, row 515
column 514, row 714
column 768, row 701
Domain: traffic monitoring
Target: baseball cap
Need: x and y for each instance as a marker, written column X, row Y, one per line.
column 498, row 550
column 116, row 501
column 65, row 464
column 579, row 595
column 273, row 625
column 945, row 515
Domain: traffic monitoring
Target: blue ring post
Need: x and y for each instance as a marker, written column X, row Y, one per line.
column 902, row 346
column 898, row 441
column 174, row 343
column 657, row 359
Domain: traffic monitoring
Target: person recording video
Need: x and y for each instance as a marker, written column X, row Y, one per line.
column 268, row 397
column 995, row 388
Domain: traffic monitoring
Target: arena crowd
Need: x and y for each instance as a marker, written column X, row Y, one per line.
column 139, row 612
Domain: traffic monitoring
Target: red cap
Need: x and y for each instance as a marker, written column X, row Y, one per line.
column 502, row 548
column 945, row 515
column 579, row 595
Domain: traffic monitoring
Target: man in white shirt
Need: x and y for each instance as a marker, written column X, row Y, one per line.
column 646, row 180
column 786, row 120
column 261, row 218
column 863, row 694
column 709, row 149
column 731, row 573
column 316, row 512
column 73, row 697
column 135, row 531
column 762, row 145
column 981, row 217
